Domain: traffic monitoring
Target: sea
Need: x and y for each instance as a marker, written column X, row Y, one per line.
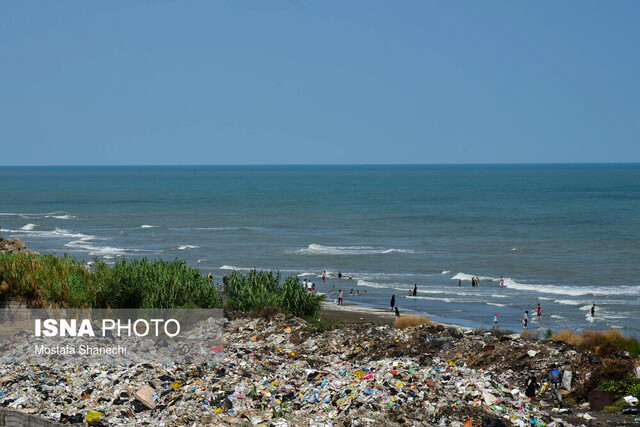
column 562, row 236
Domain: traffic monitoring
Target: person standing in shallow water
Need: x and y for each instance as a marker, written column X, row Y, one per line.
column 525, row 319
column 393, row 301
column 593, row 310
column 415, row 290
column 340, row 295
column 539, row 311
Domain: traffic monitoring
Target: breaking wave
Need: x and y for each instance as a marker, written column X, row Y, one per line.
column 316, row 249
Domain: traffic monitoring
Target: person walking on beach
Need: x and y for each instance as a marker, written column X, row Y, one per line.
column 593, row 310
column 397, row 313
column 415, row 290
column 495, row 321
column 340, row 295
column 531, row 385
column 525, row 319
column 393, row 301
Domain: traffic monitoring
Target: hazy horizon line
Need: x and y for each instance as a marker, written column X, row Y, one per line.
column 321, row 164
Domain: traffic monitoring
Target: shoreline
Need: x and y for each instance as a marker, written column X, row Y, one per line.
column 355, row 314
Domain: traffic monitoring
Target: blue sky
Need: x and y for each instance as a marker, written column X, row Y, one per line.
column 318, row 82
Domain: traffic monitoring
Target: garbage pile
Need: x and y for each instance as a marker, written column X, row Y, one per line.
column 282, row 371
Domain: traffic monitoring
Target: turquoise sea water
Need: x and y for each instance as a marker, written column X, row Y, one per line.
column 566, row 236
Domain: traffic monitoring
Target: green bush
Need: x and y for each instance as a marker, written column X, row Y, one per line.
column 260, row 289
column 628, row 386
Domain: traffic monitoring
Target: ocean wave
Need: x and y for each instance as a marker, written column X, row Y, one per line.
column 496, row 304
column 21, row 215
column 184, row 247
column 56, row 232
column 316, row 249
column 568, row 301
column 308, row 274
column 60, row 216
column 363, row 283
column 29, row 227
column 108, row 252
column 572, row 291
column 231, row 267
column 445, row 272
column 148, row 226
column 240, row 228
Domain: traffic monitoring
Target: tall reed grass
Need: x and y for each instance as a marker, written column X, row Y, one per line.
column 261, row 289
column 47, row 280
column 600, row 341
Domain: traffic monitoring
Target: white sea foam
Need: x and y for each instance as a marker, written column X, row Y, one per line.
column 496, row 304
column 230, row 267
column 86, row 243
column 202, row 260
column 569, row 301
column 215, row 228
column 555, row 316
column 316, row 249
column 60, row 216
column 363, row 283
column 571, row 291
column 398, row 251
column 445, row 272
column 184, row 247
column 29, row 227
column 307, row 274
column 148, row 226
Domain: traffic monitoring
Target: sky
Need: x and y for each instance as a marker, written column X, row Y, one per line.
column 318, row 82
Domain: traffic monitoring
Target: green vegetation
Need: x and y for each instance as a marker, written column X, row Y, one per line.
column 262, row 290
column 625, row 387
column 548, row 333
column 46, row 280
